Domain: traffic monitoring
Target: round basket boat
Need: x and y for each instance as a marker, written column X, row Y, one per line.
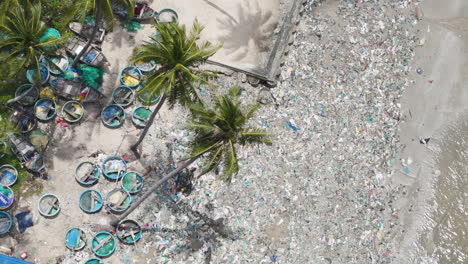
column 3, row 149
column 87, row 173
column 118, row 200
column 103, row 244
column 131, row 76
column 140, row 116
column 146, row 98
column 128, row 231
column 8, row 175
column 6, row 197
column 75, row 239
column 72, row 111
column 91, row 201
column 132, row 182
column 45, row 74
column 146, row 66
column 114, row 167
column 60, row 62
column 48, row 205
column 6, row 221
column 45, row 109
column 28, row 123
column 94, row 261
column 113, row 115
column 123, row 96
column 30, row 98
column 167, row 15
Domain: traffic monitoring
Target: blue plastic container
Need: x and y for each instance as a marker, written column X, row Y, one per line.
column 114, row 167
column 45, row 109
column 109, row 246
column 91, row 201
column 87, row 173
column 8, row 174
column 6, row 221
column 113, row 115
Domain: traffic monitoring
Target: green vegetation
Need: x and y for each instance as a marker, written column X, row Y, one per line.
column 177, row 52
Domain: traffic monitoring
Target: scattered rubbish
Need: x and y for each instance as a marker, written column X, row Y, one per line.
column 424, row 140
column 419, row 71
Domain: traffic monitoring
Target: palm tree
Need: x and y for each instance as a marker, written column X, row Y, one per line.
column 177, row 52
column 101, row 11
column 217, row 132
column 21, row 29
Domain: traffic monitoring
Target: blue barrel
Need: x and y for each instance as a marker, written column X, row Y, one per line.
column 118, row 200
column 123, row 96
column 45, row 109
column 128, row 231
column 103, row 244
column 141, row 115
column 48, row 205
column 45, row 74
column 87, row 173
column 8, row 175
column 132, row 182
column 30, row 98
column 114, row 167
column 131, row 76
column 91, row 201
column 6, row 221
column 75, row 239
column 113, row 115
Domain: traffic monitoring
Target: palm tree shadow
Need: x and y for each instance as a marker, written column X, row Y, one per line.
column 253, row 25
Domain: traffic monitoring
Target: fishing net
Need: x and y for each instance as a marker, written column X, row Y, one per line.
column 92, row 76
column 39, row 139
column 132, row 26
column 50, row 33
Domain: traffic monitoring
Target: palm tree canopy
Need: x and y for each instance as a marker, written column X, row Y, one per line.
column 177, row 52
column 21, row 31
column 220, row 129
column 81, row 8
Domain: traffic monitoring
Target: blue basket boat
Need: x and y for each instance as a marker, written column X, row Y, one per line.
column 118, row 200
column 72, row 111
column 146, row 98
column 167, row 15
column 75, row 239
column 31, row 96
column 61, row 65
column 114, row 167
column 27, row 123
column 48, row 205
column 94, row 261
column 6, row 221
column 141, row 115
column 128, row 231
column 87, row 173
column 8, row 175
column 131, row 76
column 45, row 109
column 45, row 74
column 113, row 115
column 123, row 96
column 132, row 182
column 103, row 244
column 7, row 197
column 146, row 66
column 91, row 201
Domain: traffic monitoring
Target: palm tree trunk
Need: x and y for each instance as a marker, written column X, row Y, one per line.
column 93, row 35
column 152, row 189
column 145, row 130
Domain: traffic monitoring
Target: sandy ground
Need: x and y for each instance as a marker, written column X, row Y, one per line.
column 435, row 101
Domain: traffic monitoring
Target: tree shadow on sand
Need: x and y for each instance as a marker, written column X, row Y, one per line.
column 252, row 25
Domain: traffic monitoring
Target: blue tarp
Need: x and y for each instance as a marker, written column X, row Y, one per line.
column 11, row 260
